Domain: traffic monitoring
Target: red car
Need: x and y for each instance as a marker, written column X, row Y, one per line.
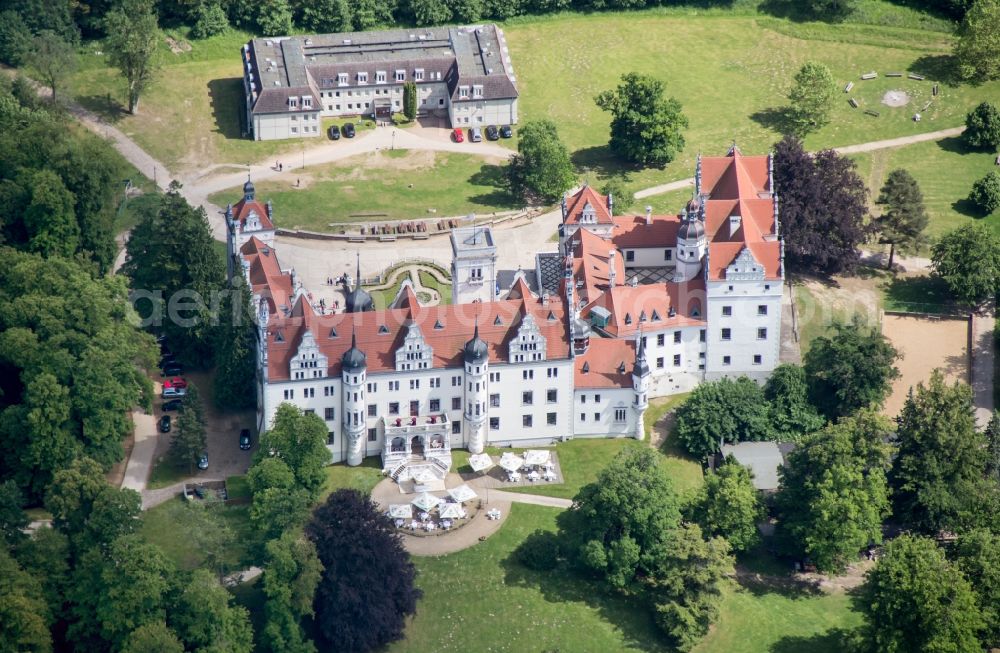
column 457, row 135
column 176, row 382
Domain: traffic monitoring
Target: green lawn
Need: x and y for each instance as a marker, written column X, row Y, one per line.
column 380, row 186
column 480, row 599
column 816, row 314
column 362, row 478
column 167, row 526
column 383, row 298
column 165, row 473
column 430, row 281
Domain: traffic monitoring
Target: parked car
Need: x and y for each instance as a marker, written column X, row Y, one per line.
column 175, row 382
column 457, row 135
column 165, row 424
column 245, row 441
column 162, row 338
column 172, row 370
column 492, row 133
column 168, row 361
column 348, row 130
column 333, row 132
column 173, row 404
column 165, row 350
column 475, row 134
column 506, row 131
column 171, row 393
column 203, row 461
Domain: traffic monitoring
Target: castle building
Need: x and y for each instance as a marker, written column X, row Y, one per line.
column 632, row 307
column 462, row 73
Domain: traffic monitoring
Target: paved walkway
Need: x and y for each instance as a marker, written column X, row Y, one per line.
column 140, row 463
column 982, row 364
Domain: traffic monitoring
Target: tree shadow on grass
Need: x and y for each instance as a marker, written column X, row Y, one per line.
column 492, row 176
column 835, row 640
column 798, row 11
column 968, row 208
column 922, row 291
column 777, row 119
column 599, row 162
column 226, row 97
column 937, row 67
column 955, row 145
column 106, row 106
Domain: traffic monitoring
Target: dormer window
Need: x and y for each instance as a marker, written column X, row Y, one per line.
column 463, row 92
column 383, row 329
column 497, row 321
column 400, row 75
column 341, row 79
column 628, row 318
column 380, row 77
column 589, row 214
column 307, row 102
column 362, row 78
column 333, row 333
column 656, row 316
column 477, row 90
column 438, row 325
column 418, row 74
column 293, row 103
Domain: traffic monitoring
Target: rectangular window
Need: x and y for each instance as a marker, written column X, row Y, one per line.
column 463, row 92
column 597, row 417
column 527, row 398
column 553, row 372
column 726, row 360
column 456, row 381
column 762, row 333
column 362, row 78
column 659, row 363
column 727, row 311
column 630, row 255
column 583, row 417
column 583, row 399
column 372, row 410
column 762, row 309
column 495, row 401
column 551, row 396
column 307, row 102
column 526, row 421
column 328, row 414
column 477, row 91
column 341, row 79
column 677, row 337
column 494, row 423
column 757, row 359
column 677, row 360
column 456, row 403
column 597, row 399
column 727, row 334
column 400, row 75
column 550, row 419
column 528, row 374
column 329, row 437
column 619, row 414
column 393, row 386
column 434, row 405
column 380, row 77
column 372, row 435
column 371, row 387
column 394, row 408
column 414, row 384
column 668, row 254
column 660, row 339
column 456, row 427
column 309, row 411
column 701, row 336
column 418, row 74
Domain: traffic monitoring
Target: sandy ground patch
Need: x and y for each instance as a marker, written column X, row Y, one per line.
column 926, row 344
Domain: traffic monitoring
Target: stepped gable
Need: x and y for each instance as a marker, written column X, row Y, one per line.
column 606, row 364
column 445, row 328
column 587, row 196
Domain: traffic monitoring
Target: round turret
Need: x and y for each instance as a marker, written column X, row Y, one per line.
column 354, row 359
column 693, row 207
column 691, row 229
column 475, row 351
column 248, row 188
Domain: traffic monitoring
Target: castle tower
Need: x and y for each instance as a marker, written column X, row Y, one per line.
column 640, row 387
column 691, row 242
column 476, row 357
column 359, row 299
column 353, row 367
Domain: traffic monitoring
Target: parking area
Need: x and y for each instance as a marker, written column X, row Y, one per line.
column 222, row 430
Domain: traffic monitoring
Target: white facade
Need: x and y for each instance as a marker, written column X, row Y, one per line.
column 277, row 126
column 473, row 265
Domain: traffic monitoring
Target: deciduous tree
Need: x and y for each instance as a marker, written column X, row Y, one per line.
column 904, row 215
column 914, row 600
column 291, row 574
column 811, row 98
column 791, row 414
column 646, row 126
column 49, row 217
column 235, row 351
column 986, row 193
column 978, row 45
column 727, row 505
column 992, row 435
column 153, row 637
column 937, row 475
column 977, row 555
column 982, row 127
column 299, row 439
column 968, row 260
column 833, row 495
column 13, row 519
column 23, row 612
column 849, row 370
column 542, row 167
column 823, row 204
column 367, row 588
column 727, row 410
column 205, row 619
column 52, row 59
column 132, row 38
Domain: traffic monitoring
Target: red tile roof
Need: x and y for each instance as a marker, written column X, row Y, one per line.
column 631, row 231
column 608, row 364
column 648, row 306
column 734, row 176
column 266, row 277
column 576, row 203
column 591, row 264
column 243, row 209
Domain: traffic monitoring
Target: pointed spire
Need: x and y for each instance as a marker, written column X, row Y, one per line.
column 357, row 279
column 641, row 368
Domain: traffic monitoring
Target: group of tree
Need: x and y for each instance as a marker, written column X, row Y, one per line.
column 541, row 169
column 188, row 437
column 977, row 48
column 626, row 532
column 967, row 259
column 823, row 208
column 93, row 583
column 740, row 410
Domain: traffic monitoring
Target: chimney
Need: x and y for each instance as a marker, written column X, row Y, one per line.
column 649, row 215
column 611, row 269
column 545, row 298
column 611, row 204
column 734, row 225
column 269, row 208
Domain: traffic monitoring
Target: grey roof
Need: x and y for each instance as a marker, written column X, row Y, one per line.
column 551, row 266
column 300, row 65
column 762, row 458
column 472, row 242
column 506, row 279
column 475, row 351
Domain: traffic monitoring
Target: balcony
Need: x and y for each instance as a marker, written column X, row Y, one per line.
column 415, row 425
column 421, row 438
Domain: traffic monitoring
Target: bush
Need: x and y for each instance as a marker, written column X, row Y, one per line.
column 211, row 21
column 982, row 127
column 539, row 551
column 986, row 193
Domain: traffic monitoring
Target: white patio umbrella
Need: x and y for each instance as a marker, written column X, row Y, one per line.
column 426, row 501
column 462, row 493
column 449, row 511
column 511, row 462
column 536, row 457
column 401, row 511
column 480, row 462
column 422, row 475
